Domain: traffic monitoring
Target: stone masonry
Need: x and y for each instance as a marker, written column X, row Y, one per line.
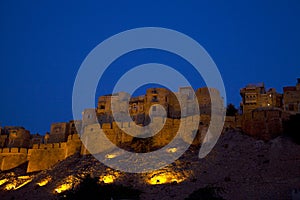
column 263, row 115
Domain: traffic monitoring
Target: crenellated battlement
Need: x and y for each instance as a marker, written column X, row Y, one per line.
column 49, row 146
column 263, row 120
column 73, row 137
column 264, row 112
column 44, row 155
column 13, row 150
column 12, row 157
column 40, row 156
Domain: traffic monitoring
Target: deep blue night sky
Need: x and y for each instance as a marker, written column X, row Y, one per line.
column 42, row 45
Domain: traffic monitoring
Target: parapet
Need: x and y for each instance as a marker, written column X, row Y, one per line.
column 106, row 126
column 14, row 150
column 73, row 137
column 49, row 146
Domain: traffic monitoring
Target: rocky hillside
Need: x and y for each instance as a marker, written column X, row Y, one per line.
column 244, row 168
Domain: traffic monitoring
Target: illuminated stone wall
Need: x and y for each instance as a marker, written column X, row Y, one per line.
column 118, row 134
column 140, row 107
column 73, row 145
column 12, row 157
column 260, row 123
column 264, row 123
column 291, row 98
column 259, row 120
column 233, row 122
column 43, row 156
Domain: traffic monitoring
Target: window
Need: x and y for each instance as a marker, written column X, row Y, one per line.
column 102, row 107
column 134, row 107
column 154, row 99
column 154, row 108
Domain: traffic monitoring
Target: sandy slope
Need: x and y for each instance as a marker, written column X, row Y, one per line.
column 244, row 167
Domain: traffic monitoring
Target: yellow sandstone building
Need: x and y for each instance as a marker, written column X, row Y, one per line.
column 263, row 114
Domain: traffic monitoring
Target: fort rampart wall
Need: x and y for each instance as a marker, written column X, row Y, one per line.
column 263, row 123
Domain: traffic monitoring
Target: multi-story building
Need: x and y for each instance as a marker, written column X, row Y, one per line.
column 291, row 98
column 205, row 96
column 74, row 126
column 36, row 139
column 3, row 137
column 141, row 107
column 255, row 96
column 17, row 136
column 60, row 131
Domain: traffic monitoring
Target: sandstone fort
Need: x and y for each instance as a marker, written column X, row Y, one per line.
column 263, row 115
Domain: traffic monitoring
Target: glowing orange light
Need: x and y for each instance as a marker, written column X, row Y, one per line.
column 63, row 187
column 11, row 186
column 24, row 177
column 18, row 182
column 44, row 181
column 3, row 181
column 107, row 179
column 165, row 178
column 110, row 156
column 172, row 150
column 110, row 177
column 68, row 183
column 25, row 183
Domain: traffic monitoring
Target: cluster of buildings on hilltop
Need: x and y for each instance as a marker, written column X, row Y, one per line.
column 263, row 112
column 256, row 96
column 266, row 112
column 141, row 107
column 15, row 136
